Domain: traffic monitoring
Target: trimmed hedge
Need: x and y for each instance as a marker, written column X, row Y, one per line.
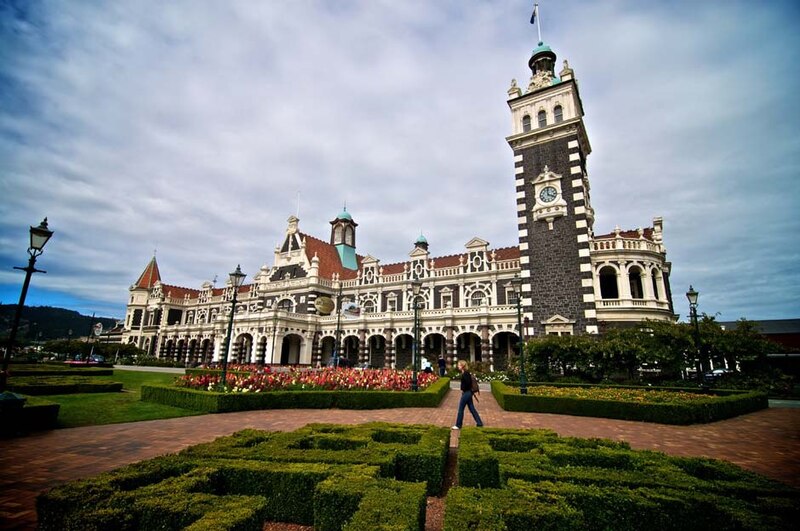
column 232, row 483
column 216, row 402
column 36, row 414
column 62, row 385
column 405, row 452
column 56, row 370
column 721, row 404
column 538, row 479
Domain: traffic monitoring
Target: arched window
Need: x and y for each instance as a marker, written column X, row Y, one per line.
column 608, row 283
column 337, row 234
column 526, row 123
column 558, row 113
column 368, row 307
column 635, row 279
column 477, row 298
column 348, row 236
column 542, row 118
column 286, row 304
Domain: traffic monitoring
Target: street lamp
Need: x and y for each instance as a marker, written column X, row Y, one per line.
column 516, row 284
column 237, row 278
column 416, row 285
column 692, row 296
column 39, row 237
column 338, row 347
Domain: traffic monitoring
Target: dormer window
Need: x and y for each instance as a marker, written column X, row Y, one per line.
column 542, row 116
column 558, row 113
column 526, row 123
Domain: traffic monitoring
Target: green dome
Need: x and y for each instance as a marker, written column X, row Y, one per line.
column 421, row 239
column 542, row 47
column 345, row 215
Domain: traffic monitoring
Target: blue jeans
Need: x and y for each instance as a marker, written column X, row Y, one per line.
column 466, row 401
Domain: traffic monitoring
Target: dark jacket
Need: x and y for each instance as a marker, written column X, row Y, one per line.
column 466, row 381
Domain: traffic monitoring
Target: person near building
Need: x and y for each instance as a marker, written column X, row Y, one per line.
column 467, row 395
column 441, row 364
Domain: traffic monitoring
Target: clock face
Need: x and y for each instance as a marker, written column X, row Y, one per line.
column 548, row 194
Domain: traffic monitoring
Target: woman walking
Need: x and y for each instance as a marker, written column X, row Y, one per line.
column 466, row 397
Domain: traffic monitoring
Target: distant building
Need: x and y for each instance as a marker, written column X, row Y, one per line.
column 573, row 281
column 783, row 332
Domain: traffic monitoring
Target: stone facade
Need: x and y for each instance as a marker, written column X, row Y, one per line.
column 573, row 282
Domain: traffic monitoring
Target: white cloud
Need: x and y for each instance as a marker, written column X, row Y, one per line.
column 190, row 126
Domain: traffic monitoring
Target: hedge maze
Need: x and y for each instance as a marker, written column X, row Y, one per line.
column 533, row 479
column 372, row 476
column 377, row 476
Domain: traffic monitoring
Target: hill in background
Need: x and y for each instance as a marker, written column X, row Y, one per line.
column 52, row 323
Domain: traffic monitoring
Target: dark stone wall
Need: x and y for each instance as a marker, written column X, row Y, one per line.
column 554, row 263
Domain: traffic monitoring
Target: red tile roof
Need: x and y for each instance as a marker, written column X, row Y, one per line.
column 178, row 292
column 149, row 276
column 329, row 261
column 452, row 260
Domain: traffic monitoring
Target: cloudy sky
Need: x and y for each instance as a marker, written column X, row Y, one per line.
column 191, row 126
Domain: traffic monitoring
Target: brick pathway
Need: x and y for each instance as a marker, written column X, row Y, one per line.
column 767, row 442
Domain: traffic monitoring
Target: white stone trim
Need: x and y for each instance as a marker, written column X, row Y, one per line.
column 572, row 144
column 520, row 195
column 518, row 158
column 523, row 233
column 520, row 207
column 586, row 268
column 523, row 246
column 592, row 329
column 577, row 183
column 582, row 238
column 584, row 253
column 524, row 259
column 525, row 273
column 519, row 182
column 527, row 301
column 588, row 297
column 581, row 224
column 575, row 170
column 578, row 196
column 587, row 283
column 522, row 219
column 518, row 170
column 574, row 156
column 590, row 314
column 580, row 210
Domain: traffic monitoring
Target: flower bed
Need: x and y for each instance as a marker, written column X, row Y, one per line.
column 673, row 406
column 240, row 397
column 327, row 379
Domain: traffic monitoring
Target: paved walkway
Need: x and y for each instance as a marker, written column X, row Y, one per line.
column 767, row 442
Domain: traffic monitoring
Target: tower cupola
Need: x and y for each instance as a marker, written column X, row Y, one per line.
column 343, row 237
column 542, row 64
column 421, row 242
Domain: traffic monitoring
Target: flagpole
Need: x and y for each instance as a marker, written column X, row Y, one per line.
column 538, row 21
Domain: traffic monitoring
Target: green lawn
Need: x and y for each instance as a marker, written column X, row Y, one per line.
column 90, row 409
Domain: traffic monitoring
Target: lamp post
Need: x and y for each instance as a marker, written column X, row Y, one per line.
column 337, row 347
column 416, row 285
column 237, row 278
column 39, row 237
column 274, row 331
column 516, row 284
column 692, row 296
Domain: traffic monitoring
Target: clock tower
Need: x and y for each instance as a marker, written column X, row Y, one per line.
column 554, row 215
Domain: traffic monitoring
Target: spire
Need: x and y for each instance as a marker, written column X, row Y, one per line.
column 149, row 276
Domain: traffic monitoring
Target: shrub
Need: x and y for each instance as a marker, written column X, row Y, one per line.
column 685, row 407
column 216, row 402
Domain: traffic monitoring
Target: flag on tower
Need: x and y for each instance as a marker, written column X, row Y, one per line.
column 533, row 16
